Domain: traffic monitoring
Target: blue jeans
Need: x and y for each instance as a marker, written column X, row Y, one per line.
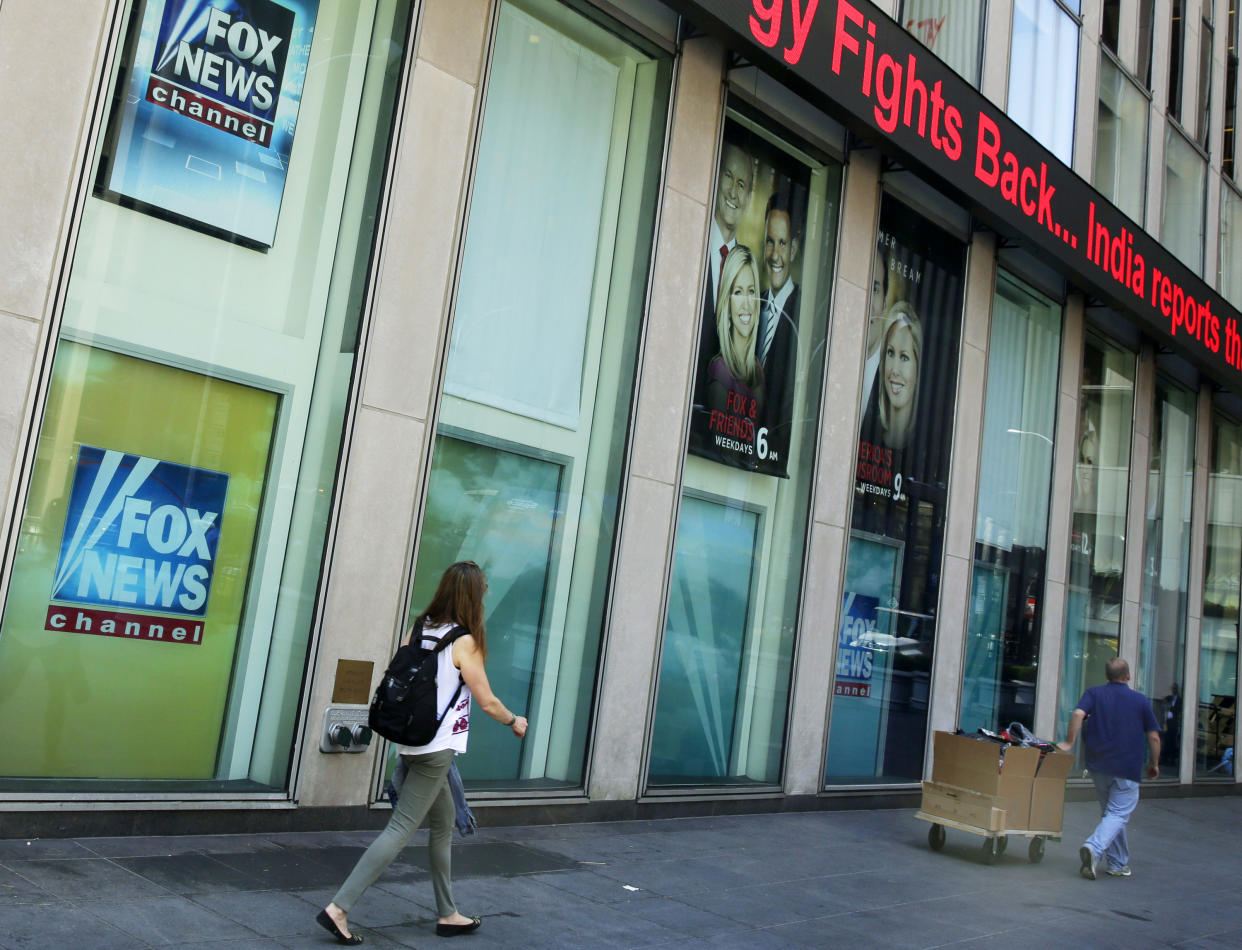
column 1118, row 797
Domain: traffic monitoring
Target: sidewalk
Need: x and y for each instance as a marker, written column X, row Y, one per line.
column 846, row 879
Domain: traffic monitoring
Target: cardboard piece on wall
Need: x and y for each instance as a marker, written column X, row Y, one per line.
column 353, row 682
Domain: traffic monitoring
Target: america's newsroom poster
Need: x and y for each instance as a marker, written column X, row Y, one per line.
column 748, row 338
column 905, row 436
column 202, row 129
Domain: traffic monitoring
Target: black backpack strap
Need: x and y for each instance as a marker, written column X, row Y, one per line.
column 455, row 634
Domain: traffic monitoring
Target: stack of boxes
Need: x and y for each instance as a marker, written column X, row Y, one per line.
column 994, row 787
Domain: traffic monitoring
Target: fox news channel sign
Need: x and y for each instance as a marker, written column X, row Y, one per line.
column 204, row 128
column 140, row 534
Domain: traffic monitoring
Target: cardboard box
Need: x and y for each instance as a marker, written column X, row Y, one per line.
column 963, row 805
column 977, row 766
column 1048, row 792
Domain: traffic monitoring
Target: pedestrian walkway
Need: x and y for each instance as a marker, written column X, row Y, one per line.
column 843, row 879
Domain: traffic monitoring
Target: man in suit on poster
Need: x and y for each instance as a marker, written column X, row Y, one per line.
column 777, row 348
column 734, row 185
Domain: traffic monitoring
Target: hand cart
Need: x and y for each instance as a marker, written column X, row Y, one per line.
column 996, row 793
column 994, row 842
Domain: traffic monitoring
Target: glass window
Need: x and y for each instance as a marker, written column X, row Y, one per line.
column 1121, row 141
column 1177, row 57
column 173, row 532
column 1166, row 563
column 887, row 635
column 1011, row 518
column 1043, row 74
column 1098, row 536
column 723, row 692
column 1218, row 648
column 1231, row 94
column 1203, row 124
column 949, row 28
column 1185, row 183
column 527, row 462
column 1110, row 23
column 1230, row 276
column 1146, row 18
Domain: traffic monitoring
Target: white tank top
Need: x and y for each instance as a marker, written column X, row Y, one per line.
column 455, row 727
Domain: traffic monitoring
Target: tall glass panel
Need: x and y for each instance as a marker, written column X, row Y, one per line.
column 723, row 693
column 887, row 634
column 1121, row 141
column 160, row 611
column 1230, row 244
column 526, row 466
column 1218, row 648
column 952, row 29
column 1043, row 74
column 1011, row 519
column 1177, row 56
column 1185, row 183
column 1166, row 563
column 1098, row 537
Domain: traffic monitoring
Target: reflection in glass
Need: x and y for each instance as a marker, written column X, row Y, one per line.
column 870, row 638
column 1043, row 74
column 1121, row 141
column 705, row 645
column 949, row 28
column 1098, row 536
column 498, row 508
column 1218, row 649
column 1011, row 521
column 1166, row 564
column 1185, row 182
column 528, row 457
column 723, row 691
column 1230, row 244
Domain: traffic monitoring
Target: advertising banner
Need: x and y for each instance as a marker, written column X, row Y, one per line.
column 910, row 373
column 748, row 336
column 202, row 128
column 121, row 631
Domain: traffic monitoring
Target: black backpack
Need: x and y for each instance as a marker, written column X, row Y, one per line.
column 404, row 708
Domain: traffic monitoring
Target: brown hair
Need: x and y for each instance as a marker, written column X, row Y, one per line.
column 459, row 599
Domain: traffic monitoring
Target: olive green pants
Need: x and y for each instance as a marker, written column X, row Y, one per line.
column 425, row 792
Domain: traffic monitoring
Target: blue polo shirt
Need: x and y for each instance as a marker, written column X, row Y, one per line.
column 1115, row 733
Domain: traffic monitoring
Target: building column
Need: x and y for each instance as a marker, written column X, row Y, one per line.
column 1136, row 513
column 649, row 516
column 814, row 661
column 1198, row 563
column 55, row 54
column 1060, row 524
column 957, row 570
column 389, row 441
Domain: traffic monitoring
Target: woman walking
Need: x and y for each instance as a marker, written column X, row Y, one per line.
column 458, row 601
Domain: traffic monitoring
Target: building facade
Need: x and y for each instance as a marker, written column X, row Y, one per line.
column 806, row 381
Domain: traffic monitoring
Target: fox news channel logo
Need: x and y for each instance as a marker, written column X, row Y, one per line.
column 140, row 533
column 222, row 62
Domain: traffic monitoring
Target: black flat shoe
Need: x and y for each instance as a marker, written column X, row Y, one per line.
column 457, row 930
column 328, row 924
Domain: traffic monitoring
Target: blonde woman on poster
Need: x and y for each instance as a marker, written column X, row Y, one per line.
column 900, row 359
column 735, row 377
